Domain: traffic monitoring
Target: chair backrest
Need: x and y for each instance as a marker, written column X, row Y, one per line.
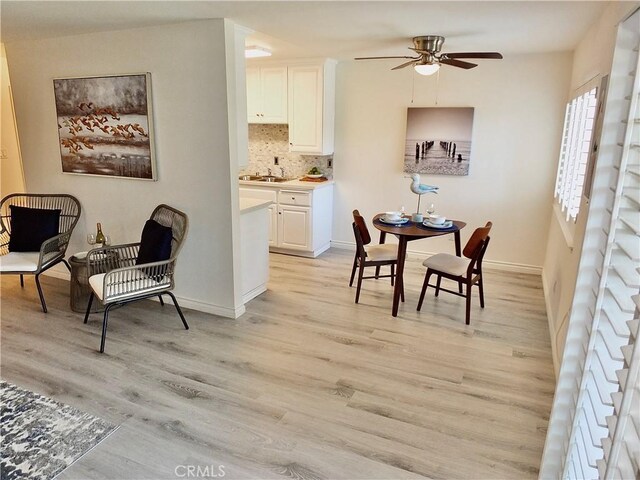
column 358, row 220
column 478, row 242
column 177, row 220
column 68, row 205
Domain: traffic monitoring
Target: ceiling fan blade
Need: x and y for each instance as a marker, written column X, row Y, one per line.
column 412, row 62
column 377, row 58
column 458, row 63
column 494, row 55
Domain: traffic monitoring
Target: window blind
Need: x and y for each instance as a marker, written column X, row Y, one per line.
column 594, row 426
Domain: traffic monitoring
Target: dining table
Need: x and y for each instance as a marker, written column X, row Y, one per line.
column 407, row 232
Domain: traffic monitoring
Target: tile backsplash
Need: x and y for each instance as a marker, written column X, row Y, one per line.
column 272, row 140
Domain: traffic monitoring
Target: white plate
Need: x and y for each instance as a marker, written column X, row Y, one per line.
column 314, row 176
column 447, row 224
column 402, row 221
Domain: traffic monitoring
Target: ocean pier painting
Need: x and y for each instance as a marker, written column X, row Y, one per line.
column 105, row 125
column 438, row 141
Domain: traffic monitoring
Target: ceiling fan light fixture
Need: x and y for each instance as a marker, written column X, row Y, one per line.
column 256, row 52
column 427, row 68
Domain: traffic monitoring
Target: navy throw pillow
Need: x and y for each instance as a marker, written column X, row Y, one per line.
column 155, row 244
column 32, row 226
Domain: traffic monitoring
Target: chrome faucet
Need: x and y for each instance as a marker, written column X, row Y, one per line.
column 282, row 172
column 269, row 170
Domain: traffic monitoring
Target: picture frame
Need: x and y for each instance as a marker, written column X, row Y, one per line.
column 105, row 125
column 438, row 140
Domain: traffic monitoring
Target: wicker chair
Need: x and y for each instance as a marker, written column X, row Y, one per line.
column 116, row 278
column 52, row 250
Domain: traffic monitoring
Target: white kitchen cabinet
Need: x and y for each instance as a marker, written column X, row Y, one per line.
column 300, row 219
column 311, row 107
column 267, row 94
column 294, row 228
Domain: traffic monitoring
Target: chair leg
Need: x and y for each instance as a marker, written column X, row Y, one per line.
column 22, row 280
column 175, row 302
column 86, row 315
column 360, row 275
column 392, row 273
column 468, row 312
column 161, row 300
column 427, row 276
column 377, row 275
column 402, row 293
column 353, row 270
column 104, row 326
column 438, row 284
column 66, row 264
column 44, row 305
column 481, row 291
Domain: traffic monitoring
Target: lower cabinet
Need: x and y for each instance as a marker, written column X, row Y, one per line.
column 300, row 221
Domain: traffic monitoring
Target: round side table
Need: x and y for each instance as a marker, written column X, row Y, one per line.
column 80, row 289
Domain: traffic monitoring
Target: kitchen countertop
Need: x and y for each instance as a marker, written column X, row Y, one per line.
column 297, row 184
column 252, row 204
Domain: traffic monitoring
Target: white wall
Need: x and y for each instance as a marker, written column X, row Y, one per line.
column 11, row 177
column 519, row 108
column 592, row 58
column 188, row 74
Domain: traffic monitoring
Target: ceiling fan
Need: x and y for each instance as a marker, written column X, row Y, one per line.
column 429, row 57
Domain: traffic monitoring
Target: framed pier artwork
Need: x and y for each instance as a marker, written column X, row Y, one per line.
column 438, row 140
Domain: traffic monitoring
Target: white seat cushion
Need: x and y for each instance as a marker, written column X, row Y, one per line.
column 140, row 283
column 19, row 262
column 377, row 253
column 443, row 262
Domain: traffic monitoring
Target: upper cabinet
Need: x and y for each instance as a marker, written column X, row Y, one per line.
column 311, row 107
column 267, row 94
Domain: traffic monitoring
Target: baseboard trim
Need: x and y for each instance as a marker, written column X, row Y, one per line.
column 497, row 265
column 184, row 302
column 551, row 323
column 251, row 294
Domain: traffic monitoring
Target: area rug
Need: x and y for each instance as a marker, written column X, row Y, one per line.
column 42, row 437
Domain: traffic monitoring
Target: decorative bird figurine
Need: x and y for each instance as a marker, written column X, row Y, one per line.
column 420, row 188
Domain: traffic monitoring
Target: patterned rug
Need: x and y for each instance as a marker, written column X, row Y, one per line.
column 42, row 437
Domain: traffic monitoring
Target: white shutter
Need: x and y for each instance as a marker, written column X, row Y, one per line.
column 593, row 430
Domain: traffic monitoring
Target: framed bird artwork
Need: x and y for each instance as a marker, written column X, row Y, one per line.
column 105, row 125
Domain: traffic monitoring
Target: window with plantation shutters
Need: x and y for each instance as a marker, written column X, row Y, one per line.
column 594, row 430
column 574, row 152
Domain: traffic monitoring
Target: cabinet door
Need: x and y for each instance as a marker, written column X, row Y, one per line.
column 254, row 95
column 305, row 108
column 274, row 94
column 273, row 225
column 294, row 227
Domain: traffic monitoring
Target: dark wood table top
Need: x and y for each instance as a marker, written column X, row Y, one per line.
column 411, row 229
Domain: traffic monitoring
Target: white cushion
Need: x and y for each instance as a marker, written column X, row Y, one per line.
column 138, row 284
column 19, row 262
column 443, row 262
column 377, row 253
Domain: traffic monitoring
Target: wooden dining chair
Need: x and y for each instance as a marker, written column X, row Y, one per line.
column 371, row 255
column 467, row 271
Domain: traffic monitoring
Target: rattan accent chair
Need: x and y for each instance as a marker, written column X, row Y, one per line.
column 116, row 278
column 466, row 271
column 371, row 255
column 51, row 251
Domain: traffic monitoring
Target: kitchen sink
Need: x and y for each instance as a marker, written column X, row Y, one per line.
column 251, row 177
column 271, row 179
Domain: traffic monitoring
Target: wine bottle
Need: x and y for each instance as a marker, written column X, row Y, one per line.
column 100, row 236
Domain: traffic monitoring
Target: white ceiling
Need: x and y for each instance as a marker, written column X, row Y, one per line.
column 337, row 29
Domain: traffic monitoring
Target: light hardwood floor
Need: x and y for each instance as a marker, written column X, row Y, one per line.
column 305, row 385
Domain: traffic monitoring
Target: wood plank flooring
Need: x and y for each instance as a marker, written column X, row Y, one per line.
column 305, row 385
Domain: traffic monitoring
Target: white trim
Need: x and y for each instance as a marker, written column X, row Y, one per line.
column 496, row 264
column 184, row 302
column 251, row 294
column 565, row 227
column 552, row 321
